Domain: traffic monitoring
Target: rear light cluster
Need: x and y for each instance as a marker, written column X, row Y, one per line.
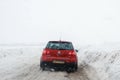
column 45, row 52
column 71, row 54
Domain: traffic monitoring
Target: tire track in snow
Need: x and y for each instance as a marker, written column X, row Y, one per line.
column 32, row 72
column 79, row 75
column 85, row 72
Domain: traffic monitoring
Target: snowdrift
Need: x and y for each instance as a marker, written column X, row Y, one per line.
column 17, row 51
column 104, row 59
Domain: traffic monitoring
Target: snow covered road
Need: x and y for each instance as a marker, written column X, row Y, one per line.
column 30, row 70
column 25, row 66
column 94, row 64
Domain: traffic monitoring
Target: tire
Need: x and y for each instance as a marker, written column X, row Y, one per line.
column 72, row 69
column 76, row 67
column 42, row 66
column 69, row 70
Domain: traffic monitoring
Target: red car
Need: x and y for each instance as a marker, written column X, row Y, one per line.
column 59, row 55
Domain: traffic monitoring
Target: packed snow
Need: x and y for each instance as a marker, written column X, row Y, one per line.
column 96, row 62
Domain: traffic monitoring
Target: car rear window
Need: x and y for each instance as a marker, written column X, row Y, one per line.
column 60, row 45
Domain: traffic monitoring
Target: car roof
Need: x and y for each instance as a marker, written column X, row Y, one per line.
column 60, row 41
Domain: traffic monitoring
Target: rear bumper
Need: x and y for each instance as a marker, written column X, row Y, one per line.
column 67, row 60
column 44, row 64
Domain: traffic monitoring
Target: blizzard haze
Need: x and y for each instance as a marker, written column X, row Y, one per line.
column 80, row 21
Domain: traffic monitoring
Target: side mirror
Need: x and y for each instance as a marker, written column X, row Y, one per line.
column 76, row 50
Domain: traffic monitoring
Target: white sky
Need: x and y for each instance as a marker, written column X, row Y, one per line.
column 80, row 21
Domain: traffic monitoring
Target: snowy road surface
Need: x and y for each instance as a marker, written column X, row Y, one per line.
column 94, row 64
column 24, row 65
column 28, row 69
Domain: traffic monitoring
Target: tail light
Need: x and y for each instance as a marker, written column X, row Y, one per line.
column 45, row 52
column 73, row 57
column 44, row 55
column 71, row 54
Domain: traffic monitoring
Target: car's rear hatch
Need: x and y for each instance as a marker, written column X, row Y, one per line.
column 59, row 55
column 57, row 50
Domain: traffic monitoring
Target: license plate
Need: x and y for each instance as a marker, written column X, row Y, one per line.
column 58, row 62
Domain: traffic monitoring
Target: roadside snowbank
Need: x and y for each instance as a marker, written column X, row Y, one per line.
column 105, row 59
column 17, row 51
column 15, row 59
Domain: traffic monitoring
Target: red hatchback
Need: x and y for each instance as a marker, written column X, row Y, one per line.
column 59, row 55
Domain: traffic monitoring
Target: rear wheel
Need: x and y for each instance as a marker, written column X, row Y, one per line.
column 42, row 66
column 72, row 69
column 69, row 70
column 76, row 67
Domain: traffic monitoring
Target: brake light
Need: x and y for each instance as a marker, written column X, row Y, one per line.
column 45, row 52
column 73, row 57
column 71, row 53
